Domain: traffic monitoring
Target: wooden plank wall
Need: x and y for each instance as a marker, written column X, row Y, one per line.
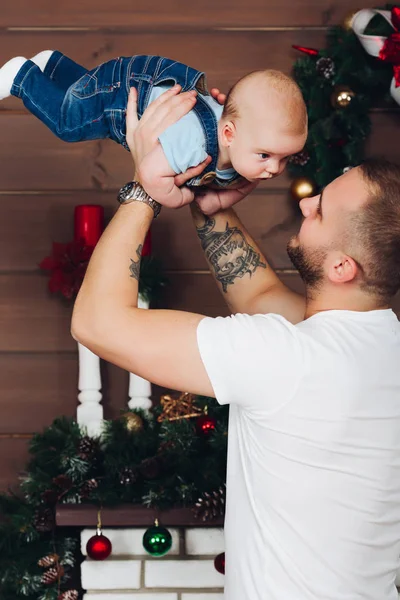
column 42, row 179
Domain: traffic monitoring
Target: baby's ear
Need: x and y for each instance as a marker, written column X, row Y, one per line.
column 228, row 133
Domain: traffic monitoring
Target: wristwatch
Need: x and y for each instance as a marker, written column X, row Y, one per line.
column 133, row 192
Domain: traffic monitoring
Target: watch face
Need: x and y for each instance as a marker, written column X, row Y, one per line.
column 125, row 191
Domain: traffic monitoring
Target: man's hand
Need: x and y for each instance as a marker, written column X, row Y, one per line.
column 142, row 136
column 142, row 139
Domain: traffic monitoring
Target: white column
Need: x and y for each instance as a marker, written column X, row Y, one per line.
column 90, row 410
column 139, row 388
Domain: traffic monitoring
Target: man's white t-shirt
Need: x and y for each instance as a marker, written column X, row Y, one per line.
column 313, row 482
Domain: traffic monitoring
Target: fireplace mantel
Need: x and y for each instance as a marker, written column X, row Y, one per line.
column 187, row 572
column 128, row 515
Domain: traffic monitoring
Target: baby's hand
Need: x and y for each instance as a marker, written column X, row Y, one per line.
column 218, row 96
column 182, row 178
column 161, row 182
column 211, row 201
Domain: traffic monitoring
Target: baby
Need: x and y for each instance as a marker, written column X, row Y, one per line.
column 262, row 123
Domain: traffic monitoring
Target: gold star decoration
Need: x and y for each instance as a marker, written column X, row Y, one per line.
column 180, row 407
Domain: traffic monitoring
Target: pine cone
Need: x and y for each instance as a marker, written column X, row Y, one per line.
column 210, row 505
column 87, row 487
column 48, row 561
column 325, row 67
column 87, row 448
column 301, row 158
column 69, row 595
column 44, row 520
column 127, row 476
column 51, row 575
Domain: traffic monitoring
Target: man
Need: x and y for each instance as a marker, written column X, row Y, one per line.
column 313, row 485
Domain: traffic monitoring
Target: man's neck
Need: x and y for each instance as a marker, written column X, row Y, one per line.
column 325, row 300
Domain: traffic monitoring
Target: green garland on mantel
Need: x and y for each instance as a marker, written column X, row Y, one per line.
column 138, row 459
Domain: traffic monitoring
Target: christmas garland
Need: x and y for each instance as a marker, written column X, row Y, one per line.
column 340, row 85
column 174, row 456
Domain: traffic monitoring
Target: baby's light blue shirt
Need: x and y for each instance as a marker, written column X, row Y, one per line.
column 184, row 142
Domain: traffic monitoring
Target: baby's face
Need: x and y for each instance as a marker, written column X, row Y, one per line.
column 261, row 150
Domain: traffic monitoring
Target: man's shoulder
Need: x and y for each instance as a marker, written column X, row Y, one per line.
column 256, row 326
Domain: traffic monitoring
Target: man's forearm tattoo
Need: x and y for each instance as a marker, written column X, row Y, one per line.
column 228, row 252
column 134, row 267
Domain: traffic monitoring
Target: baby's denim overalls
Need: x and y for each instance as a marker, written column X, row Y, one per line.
column 78, row 105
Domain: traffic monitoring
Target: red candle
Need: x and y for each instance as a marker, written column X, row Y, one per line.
column 88, row 223
column 146, row 250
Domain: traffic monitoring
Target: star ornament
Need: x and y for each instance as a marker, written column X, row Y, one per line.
column 178, row 407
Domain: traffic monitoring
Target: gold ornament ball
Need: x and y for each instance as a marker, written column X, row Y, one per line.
column 347, row 21
column 133, row 421
column 302, row 187
column 341, row 96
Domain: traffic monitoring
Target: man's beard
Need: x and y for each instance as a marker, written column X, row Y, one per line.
column 309, row 263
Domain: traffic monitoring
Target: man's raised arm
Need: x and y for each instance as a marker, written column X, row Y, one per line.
column 246, row 280
column 248, row 283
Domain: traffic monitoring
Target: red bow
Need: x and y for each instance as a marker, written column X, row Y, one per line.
column 67, row 265
column 390, row 51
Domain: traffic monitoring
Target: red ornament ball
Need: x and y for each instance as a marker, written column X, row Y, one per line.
column 98, row 547
column 205, row 425
column 219, row 563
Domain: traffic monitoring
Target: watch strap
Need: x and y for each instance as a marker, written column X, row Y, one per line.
column 134, row 192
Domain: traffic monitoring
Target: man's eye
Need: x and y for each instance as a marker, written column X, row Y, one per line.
column 263, row 155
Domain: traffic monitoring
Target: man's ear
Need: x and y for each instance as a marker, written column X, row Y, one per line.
column 228, row 133
column 343, row 269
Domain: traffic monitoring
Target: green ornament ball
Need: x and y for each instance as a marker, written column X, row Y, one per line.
column 157, row 540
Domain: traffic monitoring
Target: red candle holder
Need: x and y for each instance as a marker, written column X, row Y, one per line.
column 88, row 223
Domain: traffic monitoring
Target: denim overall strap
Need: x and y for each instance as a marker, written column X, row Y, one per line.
column 208, row 121
column 142, row 77
column 145, row 72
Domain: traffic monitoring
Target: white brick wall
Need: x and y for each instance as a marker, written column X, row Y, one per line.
column 204, row 541
column 187, row 572
column 182, row 574
column 111, row 574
